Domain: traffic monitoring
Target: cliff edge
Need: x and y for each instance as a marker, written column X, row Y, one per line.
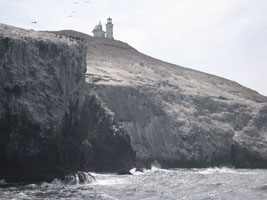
column 49, row 127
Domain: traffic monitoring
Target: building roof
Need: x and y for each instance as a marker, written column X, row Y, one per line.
column 98, row 28
column 98, row 31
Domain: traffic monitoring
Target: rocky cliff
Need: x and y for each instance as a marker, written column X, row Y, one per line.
column 49, row 127
column 56, row 118
column 177, row 116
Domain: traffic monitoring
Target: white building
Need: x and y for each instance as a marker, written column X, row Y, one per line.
column 98, row 31
column 109, row 28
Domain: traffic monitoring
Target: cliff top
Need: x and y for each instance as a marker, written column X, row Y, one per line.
column 116, row 62
column 94, row 40
column 19, row 33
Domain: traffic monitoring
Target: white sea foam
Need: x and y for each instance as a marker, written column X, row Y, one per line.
column 247, row 173
column 105, row 196
column 216, row 170
column 157, row 167
column 133, row 170
column 109, row 181
column 223, row 183
column 57, row 181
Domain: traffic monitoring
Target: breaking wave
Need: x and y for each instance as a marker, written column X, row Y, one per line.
column 154, row 183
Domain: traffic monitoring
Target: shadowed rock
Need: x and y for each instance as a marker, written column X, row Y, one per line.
column 124, row 172
column 46, row 128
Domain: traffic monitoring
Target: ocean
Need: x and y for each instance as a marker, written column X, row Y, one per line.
column 155, row 184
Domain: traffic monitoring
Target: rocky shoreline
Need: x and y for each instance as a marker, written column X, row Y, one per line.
column 80, row 103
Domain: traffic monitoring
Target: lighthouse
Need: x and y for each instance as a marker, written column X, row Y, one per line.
column 109, row 28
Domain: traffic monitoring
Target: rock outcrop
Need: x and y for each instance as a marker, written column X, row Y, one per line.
column 54, row 122
column 177, row 116
column 48, row 126
column 75, row 179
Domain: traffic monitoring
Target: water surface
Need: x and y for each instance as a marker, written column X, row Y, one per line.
column 155, row 184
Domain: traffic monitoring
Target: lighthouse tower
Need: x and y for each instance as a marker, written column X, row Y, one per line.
column 109, row 29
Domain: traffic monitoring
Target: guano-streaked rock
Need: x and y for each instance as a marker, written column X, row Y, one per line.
column 177, row 116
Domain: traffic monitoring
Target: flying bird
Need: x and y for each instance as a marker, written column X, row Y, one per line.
column 34, row 22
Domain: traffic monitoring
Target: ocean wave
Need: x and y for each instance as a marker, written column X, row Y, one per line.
column 212, row 170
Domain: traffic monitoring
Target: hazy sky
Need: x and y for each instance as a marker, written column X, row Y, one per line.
column 227, row 38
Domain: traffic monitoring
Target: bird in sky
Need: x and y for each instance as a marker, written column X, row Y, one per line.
column 34, row 22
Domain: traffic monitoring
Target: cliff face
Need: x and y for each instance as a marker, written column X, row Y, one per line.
column 55, row 122
column 178, row 116
column 48, row 126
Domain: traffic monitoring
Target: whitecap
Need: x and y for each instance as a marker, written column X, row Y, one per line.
column 155, row 165
column 133, row 170
column 155, row 168
column 212, row 170
column 109, row 181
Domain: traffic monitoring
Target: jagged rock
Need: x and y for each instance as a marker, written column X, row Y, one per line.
column 178, row 116
column 79, row 178
column 124, row 172
column 45, row 117
column 139, row 169
column 75, row 179
column 85, row 177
